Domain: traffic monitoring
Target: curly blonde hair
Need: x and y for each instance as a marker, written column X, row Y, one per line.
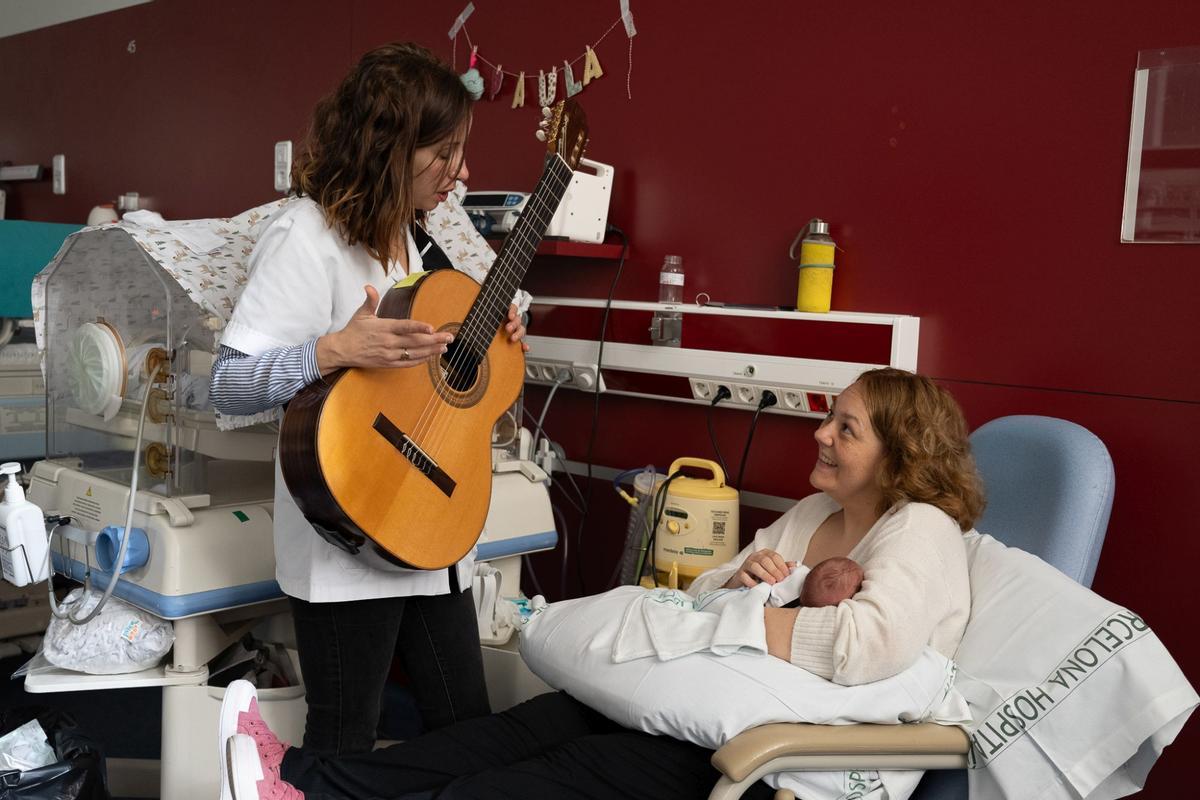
column 357, row 163
column 926, row 453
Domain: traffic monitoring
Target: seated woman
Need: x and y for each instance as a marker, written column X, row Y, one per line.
column 897, row 487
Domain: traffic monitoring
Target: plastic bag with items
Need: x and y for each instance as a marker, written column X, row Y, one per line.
column 76, row 772
column 119, row 639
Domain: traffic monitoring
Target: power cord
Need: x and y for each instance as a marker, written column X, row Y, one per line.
column 612, row 289
column 660, row 505
column 721, row 394
column 766, row 400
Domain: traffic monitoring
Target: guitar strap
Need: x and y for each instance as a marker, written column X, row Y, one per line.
column 432, row 256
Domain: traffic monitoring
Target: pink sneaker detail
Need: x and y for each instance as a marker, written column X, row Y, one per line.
column 273, row 787
column 270, row 748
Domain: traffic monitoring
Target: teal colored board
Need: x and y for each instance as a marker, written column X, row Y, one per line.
column 25, row 248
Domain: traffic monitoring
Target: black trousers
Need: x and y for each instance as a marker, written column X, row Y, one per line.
column 346, row 651
column 551, row 747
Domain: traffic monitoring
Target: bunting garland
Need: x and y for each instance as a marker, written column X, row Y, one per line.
column 547, row 80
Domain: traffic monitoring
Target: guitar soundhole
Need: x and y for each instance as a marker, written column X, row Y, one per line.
column 460, row 366
column 460, row 375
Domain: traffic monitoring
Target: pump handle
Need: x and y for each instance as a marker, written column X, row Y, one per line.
column 703, row 463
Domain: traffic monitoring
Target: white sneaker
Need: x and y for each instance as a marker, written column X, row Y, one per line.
column 237, row 700
column 243, row 768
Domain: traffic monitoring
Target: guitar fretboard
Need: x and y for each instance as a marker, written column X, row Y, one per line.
column 490, row 309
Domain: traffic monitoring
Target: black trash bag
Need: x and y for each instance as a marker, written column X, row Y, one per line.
column 79, row 773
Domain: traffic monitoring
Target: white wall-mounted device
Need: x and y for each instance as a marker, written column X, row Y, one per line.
column 59, row 174
column 583, row 213
column 283, row 165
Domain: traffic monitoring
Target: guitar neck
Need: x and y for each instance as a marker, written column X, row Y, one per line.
column 504, row 278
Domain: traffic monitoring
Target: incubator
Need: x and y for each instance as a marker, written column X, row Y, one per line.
column 128, row 333
column 157, row 499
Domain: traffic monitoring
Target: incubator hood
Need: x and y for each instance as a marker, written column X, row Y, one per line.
column 138, row 307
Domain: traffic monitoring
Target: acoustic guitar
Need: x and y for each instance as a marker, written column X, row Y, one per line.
column 402, row 457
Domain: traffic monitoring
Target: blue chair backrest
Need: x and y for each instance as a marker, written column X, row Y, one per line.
column 1049, row 486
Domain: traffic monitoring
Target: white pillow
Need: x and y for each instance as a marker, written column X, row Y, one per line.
column 708, row 699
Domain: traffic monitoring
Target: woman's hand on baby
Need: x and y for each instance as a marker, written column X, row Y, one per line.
column 761, row 565
column 372, row 341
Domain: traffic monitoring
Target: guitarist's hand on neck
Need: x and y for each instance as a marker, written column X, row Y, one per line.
column 371, row 341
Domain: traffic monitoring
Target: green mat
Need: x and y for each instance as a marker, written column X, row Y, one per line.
column 25, row 248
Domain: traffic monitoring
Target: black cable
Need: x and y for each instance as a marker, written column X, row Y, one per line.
column 566, row 543
column 537, row 587
column 721, row 394
column 766, row 400
column 612, row 289
column 566, row 472
column 660, row 505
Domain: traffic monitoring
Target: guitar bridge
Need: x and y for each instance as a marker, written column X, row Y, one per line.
column 415, row 455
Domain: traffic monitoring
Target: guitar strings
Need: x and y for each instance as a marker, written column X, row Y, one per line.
column 495, row 290
column 425, row 433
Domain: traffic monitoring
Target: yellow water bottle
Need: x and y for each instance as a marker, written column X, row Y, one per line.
column 816, row 266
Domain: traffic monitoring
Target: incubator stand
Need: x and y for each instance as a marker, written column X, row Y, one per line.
column 128, row 320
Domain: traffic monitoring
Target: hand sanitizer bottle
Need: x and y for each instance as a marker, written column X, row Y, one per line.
column 23, row 541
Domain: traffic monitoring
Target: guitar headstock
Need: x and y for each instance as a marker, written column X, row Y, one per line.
column 567, row 132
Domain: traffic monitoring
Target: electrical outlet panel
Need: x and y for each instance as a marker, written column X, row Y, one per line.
column 283, row 165
column 566, row 373
column 58, row 183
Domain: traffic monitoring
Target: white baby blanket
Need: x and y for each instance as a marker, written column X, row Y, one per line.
column 1071, row 696
column 668, row 623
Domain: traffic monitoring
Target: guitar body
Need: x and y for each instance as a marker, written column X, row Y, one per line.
column 346, row 446
column 402, row 457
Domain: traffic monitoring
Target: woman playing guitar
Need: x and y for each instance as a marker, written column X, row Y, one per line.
column 385, row 148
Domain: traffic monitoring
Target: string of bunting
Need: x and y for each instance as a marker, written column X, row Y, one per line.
column 547, row 82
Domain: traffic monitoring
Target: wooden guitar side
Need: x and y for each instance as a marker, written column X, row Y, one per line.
column 347, row 475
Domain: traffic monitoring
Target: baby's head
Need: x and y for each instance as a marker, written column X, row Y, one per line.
column 830, row 582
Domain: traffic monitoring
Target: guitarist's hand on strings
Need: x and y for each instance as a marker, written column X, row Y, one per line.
column 515, row 328
column 371, row 341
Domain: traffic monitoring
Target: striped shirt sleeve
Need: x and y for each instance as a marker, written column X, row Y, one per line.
column 244, row 384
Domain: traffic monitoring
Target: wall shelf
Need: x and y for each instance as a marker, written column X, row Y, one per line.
column 804, row 359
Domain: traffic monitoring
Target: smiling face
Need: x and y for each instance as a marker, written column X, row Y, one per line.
column 849, row 453
column 436, row 168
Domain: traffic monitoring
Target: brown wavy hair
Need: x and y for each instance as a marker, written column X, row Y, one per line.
column 926, row 453
column 357, row 161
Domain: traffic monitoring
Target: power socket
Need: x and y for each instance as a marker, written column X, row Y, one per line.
column 283, row 165
column 59, row 174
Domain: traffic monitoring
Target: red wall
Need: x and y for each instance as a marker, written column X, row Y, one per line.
column 971, row 160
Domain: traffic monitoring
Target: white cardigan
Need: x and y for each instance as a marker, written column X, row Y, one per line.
column 915, row 591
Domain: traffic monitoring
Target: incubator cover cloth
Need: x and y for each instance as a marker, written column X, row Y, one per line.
column 209, row 260
column 1071, row 696
column 708, row 699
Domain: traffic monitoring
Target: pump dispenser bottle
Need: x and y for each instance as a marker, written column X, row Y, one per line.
column 23, row 542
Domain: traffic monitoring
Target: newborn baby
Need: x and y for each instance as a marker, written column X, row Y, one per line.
column 830, row 582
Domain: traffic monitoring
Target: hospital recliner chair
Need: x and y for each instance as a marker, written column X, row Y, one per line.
column 1049, row 487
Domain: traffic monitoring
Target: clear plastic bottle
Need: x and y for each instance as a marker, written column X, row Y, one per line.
column 667, row 326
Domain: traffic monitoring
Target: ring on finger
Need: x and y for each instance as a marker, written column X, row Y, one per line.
column 404, row 355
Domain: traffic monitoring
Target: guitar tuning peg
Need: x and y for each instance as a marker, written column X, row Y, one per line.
column 540, row 135
column 546, row 112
